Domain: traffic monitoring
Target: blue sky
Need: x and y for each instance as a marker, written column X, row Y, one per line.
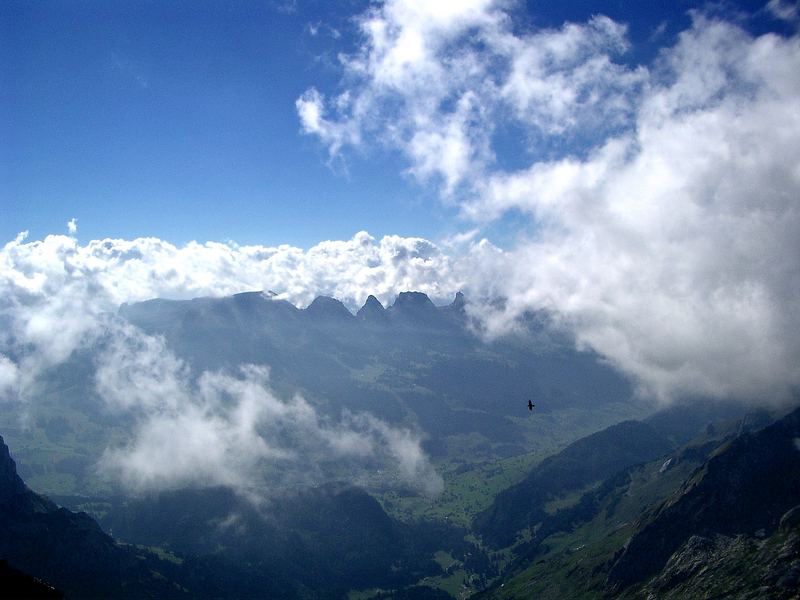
column 177, row 120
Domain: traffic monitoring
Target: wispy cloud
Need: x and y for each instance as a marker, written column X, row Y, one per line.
column 224, row 429
column 435, row 80
column 9, row 375
column 785, row 10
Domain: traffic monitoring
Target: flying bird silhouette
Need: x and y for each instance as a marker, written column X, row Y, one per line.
column 530, row 405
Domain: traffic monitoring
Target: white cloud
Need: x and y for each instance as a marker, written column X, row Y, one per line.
column 311, row 108
column 72, row 226
column 786, row 10
column 435, row 80
column 564, row 79
column 59, row 280
column 232, row 430
column 673, row 250
column 666, row 219
column 9, row 376
column 136, row 371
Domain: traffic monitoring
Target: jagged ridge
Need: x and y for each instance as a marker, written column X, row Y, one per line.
column 746, row 487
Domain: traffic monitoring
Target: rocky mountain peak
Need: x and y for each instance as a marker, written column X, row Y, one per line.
column 327, row 307
column 414, row 301
column 458, row 302
column 10, row 482
column 372, row 308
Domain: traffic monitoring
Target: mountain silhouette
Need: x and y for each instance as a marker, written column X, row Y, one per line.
column 68, row 550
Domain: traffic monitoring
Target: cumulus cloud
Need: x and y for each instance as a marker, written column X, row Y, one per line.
column 49, row 306
column 72, row 226
column 666, row 208
column 59, row 276
column 673, row 250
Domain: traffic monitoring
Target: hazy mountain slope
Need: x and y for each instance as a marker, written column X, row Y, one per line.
column 313, row 543
column 675, row 527
column 586, row 461
column 747, row 486
column 410, row 352
column 69, row 550
column 318, row 542
column 686, row 418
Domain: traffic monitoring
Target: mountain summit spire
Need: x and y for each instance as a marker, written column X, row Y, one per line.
column 372, row 309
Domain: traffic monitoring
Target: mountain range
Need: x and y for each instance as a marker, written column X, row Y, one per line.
column 412, row 365
column 593, row 494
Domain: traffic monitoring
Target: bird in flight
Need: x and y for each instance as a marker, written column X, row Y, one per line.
column 530, row 405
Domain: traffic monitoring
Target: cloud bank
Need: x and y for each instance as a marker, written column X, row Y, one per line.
column 112, row 271
column 665, row 199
